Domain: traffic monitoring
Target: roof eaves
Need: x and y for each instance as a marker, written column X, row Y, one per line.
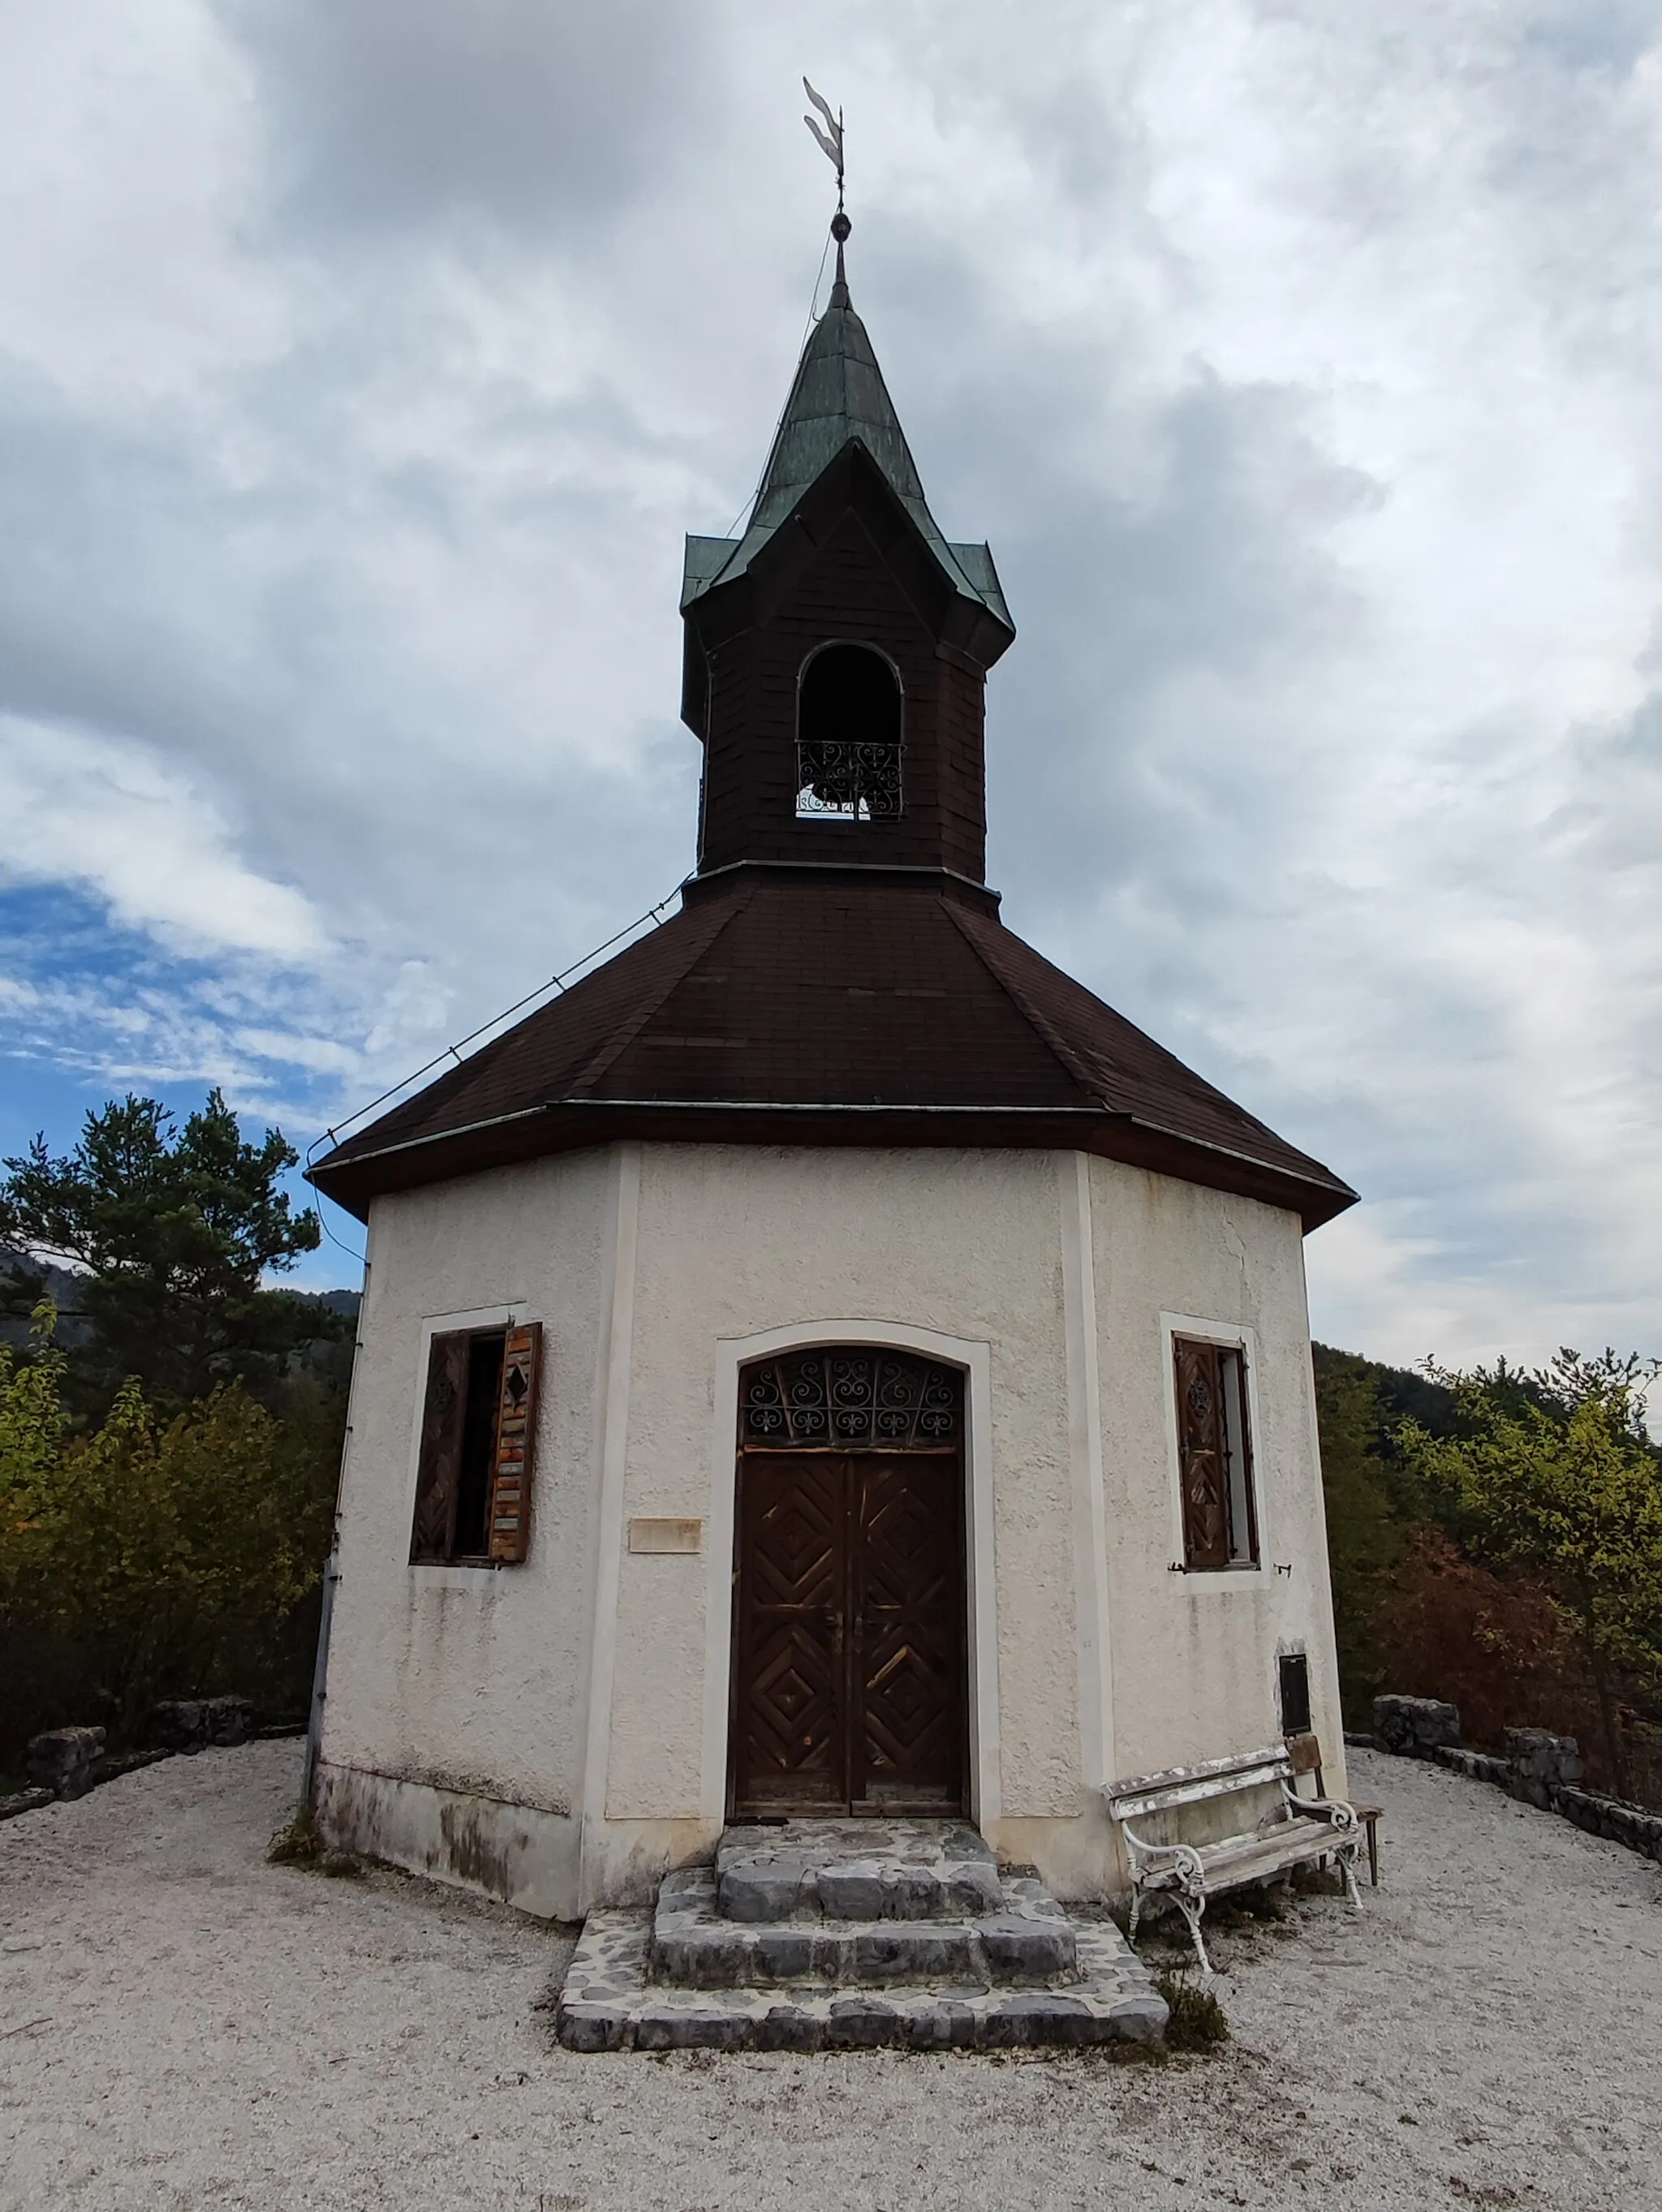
column 1321, row 1179
column 1316, row 1197
column 797, row 1106
column 977, row 565
column 703, row 565
column 334, row 1162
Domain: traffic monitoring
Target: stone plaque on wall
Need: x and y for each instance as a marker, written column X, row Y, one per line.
column 666, row 1535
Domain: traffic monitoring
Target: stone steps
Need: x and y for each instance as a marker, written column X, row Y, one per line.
column 831, row 1934
column 611, row 2002
column 1029, row 1937
column 857, row 1870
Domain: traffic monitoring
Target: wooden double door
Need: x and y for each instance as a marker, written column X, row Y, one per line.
column 850, row 1655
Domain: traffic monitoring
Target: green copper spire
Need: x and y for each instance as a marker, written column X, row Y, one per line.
column 838, row 398
column 839, row 394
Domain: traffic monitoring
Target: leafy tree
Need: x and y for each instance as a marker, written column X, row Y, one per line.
column 1365, row 1538
column 174, row 1229
column 1553, row 1474
column 160, row 1555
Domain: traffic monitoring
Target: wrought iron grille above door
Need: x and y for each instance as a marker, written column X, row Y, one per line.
column 855, row 1398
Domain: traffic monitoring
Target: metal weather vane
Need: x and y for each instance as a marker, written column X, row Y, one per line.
column 830, row 138
column 831, row 141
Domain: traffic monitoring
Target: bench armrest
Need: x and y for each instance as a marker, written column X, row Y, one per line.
column 1165, row 1865
column 1333, row 1810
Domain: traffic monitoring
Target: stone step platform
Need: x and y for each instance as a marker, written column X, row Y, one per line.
column 1027, row 1938
column 611, row 2001
column 865, row 1869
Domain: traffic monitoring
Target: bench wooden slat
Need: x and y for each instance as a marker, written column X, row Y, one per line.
column 1228, row 1865
column 1241, row 1859
column 1192, row 1785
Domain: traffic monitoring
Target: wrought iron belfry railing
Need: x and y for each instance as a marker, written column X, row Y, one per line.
column 846, row 782
column 851, row 1398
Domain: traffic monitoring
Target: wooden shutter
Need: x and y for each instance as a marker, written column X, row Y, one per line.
column 439, row 1468
column 1202, row 1454
column 516, row 1430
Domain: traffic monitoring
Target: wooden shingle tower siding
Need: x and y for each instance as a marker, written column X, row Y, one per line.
column 838, row 972
column 840, row 546
column 835, row 576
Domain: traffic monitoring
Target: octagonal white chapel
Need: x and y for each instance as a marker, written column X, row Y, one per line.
column 826, row 1363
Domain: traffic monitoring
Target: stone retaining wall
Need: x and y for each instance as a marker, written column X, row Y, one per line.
column 1538, row 1766
column 67, row 1762
column 1635, row 1825
column 1477, row 1766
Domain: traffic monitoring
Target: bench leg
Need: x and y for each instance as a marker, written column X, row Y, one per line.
column 1192, row 1909
column 1137, row 1913
column 1346, row 1859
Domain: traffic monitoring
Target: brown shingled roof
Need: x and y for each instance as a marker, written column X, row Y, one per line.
column 815, row 1008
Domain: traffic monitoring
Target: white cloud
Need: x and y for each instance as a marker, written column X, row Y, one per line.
column 82, row 810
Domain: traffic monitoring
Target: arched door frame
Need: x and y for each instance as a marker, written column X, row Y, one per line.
column 980, row 1598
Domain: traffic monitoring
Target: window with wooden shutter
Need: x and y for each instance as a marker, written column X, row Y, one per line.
column 1214, row 1456
column 516, row 1429
column 473, row 1471
column 439, row 1467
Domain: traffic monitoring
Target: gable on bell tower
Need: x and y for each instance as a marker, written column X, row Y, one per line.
column 836, row 653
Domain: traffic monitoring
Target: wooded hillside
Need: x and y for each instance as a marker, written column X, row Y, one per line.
column 1495, row 1539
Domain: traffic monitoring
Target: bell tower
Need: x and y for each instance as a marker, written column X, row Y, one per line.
column 837, row 652
column 839, row 973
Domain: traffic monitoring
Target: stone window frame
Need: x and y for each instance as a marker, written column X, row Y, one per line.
column 503, row 1322
column 1241, row 1339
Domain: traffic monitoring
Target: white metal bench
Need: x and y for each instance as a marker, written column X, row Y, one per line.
column 1296, row 1832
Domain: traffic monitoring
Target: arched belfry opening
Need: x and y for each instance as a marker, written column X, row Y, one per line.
column 849, row 737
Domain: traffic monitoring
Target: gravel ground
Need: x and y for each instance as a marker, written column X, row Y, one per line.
column 183, row 2026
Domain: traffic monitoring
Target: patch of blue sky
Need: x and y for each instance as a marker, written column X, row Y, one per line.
column 90, row 1011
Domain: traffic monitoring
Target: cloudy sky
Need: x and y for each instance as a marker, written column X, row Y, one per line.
column 362, row 362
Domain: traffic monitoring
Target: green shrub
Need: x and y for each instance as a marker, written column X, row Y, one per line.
column 160, row 1555
column 1197, row 2022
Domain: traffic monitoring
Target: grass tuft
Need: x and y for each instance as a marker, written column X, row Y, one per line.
column 298, row 1841
column 1198, row 2021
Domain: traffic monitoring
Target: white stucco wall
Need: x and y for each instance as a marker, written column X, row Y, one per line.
column 583, row 1696
column 1193, row 1656
column 737, row 1243
column 463, row 1678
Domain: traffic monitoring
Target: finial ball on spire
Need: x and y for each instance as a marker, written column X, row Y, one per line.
column 840, row 226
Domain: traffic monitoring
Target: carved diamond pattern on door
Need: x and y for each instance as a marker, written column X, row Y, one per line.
column 849, row 1654
column 911, row 1649
column 793, row 1567
column 795, row 1708
column 798, row 1542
